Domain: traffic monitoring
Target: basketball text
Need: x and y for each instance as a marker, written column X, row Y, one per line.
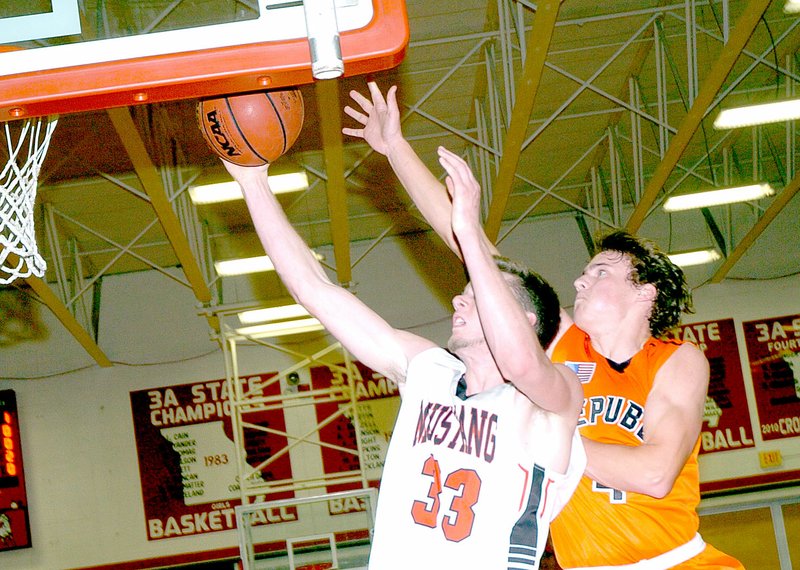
column 219, row 135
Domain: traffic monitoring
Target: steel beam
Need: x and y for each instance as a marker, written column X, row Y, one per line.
column 69, row 321
column 538, row 46
column 153, row 185
column 758, row 228
column 739, row 37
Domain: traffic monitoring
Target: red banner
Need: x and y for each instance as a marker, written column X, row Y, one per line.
column 773, row 349
column 378, row 401
column 187, row 458
column 726, row 422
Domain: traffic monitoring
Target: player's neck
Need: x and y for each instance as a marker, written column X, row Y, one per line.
column 482, row 372
column 620, row 344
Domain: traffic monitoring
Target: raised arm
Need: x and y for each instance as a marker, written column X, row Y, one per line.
column 672, row 425
column 508, row 328
column 362, row 331
column 380, row 118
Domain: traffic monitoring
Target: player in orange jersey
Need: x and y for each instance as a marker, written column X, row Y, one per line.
column 635, row 506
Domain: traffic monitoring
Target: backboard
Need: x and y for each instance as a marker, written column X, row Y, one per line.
column 58, row 57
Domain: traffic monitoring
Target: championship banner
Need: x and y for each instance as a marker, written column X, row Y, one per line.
column 187, row 457
column 726, row 422
column 773, row 349
column 378, row 401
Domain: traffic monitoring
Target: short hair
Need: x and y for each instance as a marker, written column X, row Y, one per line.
column 536, row 296
column 651, row 265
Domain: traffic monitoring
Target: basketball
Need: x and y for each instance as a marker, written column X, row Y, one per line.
column 252, row 129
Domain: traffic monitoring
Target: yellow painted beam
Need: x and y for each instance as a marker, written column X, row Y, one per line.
column 62, row 313
column 758, row 228
column 331, row 129
column 538, row 45
column 737, row 41
column 152, row 184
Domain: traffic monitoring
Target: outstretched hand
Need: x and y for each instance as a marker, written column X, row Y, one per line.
column 465, row 192
column 380, row 118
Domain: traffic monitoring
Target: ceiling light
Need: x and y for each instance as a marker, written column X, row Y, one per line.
column 272, row 314
column 717, row 197
column 694, row 257
column 245, row 265
column 284, row 328
column 227, row 191
column 792, row 6
column 758, row 114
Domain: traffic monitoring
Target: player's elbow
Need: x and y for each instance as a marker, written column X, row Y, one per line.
column 658, row 483
column 305, row 287
column 658, row 490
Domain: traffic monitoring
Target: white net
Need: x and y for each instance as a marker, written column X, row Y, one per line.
column 26, row 144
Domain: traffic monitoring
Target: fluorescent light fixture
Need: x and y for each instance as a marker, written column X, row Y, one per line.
column 245, row 265
column 227, row 191
column 792, row 6
column 283, row 328
column 272, row 314
column 758, row 114
column 694, row 257
column 717, row 197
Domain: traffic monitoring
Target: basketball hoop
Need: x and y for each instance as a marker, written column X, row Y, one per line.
column 19, row 256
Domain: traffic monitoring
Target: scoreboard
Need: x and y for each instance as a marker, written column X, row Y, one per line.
column 14, row 523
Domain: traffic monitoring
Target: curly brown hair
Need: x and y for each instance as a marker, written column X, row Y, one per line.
column 651, row 265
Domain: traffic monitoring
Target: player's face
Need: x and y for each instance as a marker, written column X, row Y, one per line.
column 466, row 326
column 604, row 290
column 467, row 329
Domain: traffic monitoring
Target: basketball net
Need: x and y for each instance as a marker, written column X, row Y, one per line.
column 19, row 256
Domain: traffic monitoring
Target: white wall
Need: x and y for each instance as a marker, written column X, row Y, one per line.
column 80, row 458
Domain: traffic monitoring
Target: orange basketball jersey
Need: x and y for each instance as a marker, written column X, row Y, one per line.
column 601, row 526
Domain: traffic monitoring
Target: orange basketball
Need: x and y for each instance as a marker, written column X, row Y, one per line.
column 252, row 129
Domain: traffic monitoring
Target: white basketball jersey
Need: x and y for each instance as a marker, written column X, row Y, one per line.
column 459, row 489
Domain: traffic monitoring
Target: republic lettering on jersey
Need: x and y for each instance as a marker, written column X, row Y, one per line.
column 613, row 410
column 467, row 430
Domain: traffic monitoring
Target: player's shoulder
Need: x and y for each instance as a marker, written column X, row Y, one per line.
column 686, row 353
column 687, row 366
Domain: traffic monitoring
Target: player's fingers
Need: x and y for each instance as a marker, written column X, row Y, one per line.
column 375, row 93
column 458, row 165
column 391, row 97
column 363, row 102
column 455, row 177
column 448, row 182
column 357, row 115
column 353, row 132
column 451, row 162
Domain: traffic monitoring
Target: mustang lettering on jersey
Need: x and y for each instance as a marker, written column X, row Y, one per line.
column 613, row 410
column 470, row 431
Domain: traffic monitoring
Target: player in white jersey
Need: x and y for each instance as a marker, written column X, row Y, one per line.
column 475, row 469
column 461, row 476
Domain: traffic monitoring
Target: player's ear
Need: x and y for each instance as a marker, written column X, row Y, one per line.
column 532, row 318
column 647, row 292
